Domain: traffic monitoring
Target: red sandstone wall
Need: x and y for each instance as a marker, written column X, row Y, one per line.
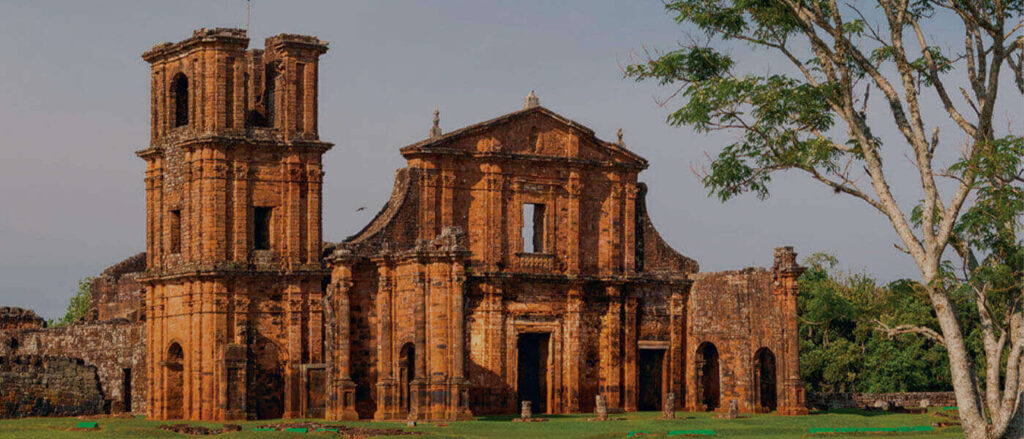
column 48, row 386
column 116, row 293
column 12, row 318
column 110, row 347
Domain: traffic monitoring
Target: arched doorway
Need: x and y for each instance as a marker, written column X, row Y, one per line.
column 175, row 382
column 266, row 379
column 765, row 379
column 708, row 376
column 406, row 373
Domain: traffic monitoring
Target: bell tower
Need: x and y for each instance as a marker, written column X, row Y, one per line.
column 233, row 227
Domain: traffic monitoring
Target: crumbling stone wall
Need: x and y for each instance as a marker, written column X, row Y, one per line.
column 741, row 317
column 35, row 385
column 12, row 317
column 116, row 293
column 877, row 400
column 115, row 349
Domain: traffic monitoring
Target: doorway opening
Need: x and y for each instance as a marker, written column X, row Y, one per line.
column 174, row 370
column 532, row 377
column 708, row 376
column 406, row 373
column 266, row 379
column 764, row 370
column 651, row 374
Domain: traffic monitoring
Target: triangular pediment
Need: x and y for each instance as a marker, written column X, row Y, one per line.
column 533, row 132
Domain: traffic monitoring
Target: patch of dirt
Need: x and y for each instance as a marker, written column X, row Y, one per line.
column 344, row 431
column 199, row 430
column 116, row 415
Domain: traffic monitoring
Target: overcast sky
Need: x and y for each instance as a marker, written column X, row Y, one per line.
column 74, row 102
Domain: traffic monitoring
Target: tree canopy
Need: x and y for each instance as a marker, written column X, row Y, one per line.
column 816, row 115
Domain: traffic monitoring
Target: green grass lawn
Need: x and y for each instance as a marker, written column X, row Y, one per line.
column 558, row 426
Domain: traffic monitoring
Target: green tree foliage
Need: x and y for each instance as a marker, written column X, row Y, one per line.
column 79, row 304
column 841, row 349
column 930, row 63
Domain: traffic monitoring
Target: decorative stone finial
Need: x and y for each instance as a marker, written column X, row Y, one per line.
column 531, row 101
column 435, row 131
column 620, row 137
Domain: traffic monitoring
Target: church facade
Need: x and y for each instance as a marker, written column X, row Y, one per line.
column 514, row 261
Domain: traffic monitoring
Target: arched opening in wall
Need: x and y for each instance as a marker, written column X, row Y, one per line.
column 179, row 91
column 265, row 389
column 175, row 382
column 406, row 373
column 765, row 379
column 708, row 376
column 13, row 344
column 532, row 374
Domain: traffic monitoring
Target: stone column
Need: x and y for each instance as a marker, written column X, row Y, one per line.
column 421, row 377
column 447, row 199
column 785, row 272
column 459, row 390
column 629, row 366
column 677, row 346
column 573, row 332
column 314, row 203
column 337, row 308
column 494, row 340
column 611, row 357
column 629, row 230
column 293, row 318
column 574, row 188
column 386, row 401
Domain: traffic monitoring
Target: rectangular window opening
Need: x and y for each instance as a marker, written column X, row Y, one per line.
column 533, row 228
column 175, row 229
column 261, row 228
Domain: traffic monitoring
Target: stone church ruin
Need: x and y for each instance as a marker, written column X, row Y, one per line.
column 514, row 261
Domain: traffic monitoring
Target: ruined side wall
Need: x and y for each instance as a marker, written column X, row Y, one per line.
column 110, row 347
column 48, row 386
column 737, row 313
column 12, row 317
column 116, row 293
column 869, row 400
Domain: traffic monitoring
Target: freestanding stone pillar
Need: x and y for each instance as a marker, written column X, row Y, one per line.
column 601, row 408
column 668, row 409
column 786, row 272
column 526, row 411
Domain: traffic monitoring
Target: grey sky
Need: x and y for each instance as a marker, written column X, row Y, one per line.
column 74, row 99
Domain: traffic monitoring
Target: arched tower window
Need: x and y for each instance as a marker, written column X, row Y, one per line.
column 179, row 89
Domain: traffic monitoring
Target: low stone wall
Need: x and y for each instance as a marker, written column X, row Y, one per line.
column 880, row 400
column 33, row 385
column 116, row 348
column 12, row 317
